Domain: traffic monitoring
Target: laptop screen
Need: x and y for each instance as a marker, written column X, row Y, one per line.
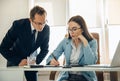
column 116, row 58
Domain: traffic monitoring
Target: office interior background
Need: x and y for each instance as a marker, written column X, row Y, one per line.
column 102, row 16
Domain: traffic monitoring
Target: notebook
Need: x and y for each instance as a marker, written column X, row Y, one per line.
column 115, row 61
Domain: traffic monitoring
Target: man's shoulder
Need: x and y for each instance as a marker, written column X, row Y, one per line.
column 46, row 28
column 22, row 21
column 21, row 24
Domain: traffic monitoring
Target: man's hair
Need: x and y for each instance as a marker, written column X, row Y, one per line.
column 37, row 10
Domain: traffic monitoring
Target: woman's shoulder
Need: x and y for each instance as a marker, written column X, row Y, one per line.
column 93, row 41
column 65, row 40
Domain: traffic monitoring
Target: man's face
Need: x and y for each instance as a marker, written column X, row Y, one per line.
column 39, row 22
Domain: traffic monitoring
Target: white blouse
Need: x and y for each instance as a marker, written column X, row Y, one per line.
column 75, row 53
column 74, row 59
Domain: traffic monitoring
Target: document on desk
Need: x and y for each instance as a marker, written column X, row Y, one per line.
column 40, row 66
column 45, row 66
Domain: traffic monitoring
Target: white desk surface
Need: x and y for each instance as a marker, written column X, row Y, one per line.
column 11, row 72
column 59, row 69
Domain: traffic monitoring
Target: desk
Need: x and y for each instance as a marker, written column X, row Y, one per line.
column 21, row 70
column 11, row 74
column 59, row 69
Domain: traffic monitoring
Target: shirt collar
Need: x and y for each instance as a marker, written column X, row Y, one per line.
column 73, row 45
column 32, row 28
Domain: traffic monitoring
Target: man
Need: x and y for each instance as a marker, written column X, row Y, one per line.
column 17, row 44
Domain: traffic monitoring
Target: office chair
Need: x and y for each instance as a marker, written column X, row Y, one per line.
column 99, row 74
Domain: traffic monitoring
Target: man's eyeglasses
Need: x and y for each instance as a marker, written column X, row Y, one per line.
column 39, row 24
column 73, row 29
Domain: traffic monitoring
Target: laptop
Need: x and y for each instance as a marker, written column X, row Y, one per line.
column 115, row 61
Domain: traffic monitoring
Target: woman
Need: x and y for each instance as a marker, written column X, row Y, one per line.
column 79, row 48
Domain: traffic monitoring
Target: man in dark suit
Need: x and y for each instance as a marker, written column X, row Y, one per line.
column 17, row 44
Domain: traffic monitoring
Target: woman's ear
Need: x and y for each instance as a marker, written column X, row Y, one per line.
column 66, row 35
column 82, row 31
column 30, row 19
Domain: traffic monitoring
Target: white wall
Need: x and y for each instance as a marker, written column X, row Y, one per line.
column 11, row 10
column 56, row 10
column 113, row 12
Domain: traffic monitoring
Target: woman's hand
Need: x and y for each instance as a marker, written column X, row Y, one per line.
column 54, row 62
column 83, row 39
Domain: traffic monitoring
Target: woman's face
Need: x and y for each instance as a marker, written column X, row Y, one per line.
column 74, row 29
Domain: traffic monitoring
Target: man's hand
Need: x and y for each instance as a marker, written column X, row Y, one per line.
column 23, row 62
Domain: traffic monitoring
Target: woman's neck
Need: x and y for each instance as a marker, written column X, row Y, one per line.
column 76, row 42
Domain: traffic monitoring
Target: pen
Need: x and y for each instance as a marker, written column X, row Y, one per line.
column 53, row 56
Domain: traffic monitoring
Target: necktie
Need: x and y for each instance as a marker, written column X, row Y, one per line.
column 33, row 38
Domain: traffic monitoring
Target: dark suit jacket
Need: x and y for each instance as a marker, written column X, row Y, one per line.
column 17, row 44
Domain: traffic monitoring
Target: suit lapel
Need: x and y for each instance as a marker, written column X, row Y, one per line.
column 81, row 53
column 68, row 51
column 27, row 35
